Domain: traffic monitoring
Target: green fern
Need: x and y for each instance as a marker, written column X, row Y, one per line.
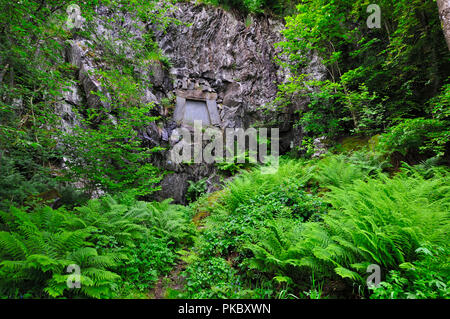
column 377, row 221
column 36, row 251
column 116, row 227
column 248, row 185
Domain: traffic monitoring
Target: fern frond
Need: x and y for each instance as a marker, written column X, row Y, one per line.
column 12, row 246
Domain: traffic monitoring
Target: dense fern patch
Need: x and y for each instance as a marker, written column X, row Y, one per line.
column 288, row 234
column 315, row 223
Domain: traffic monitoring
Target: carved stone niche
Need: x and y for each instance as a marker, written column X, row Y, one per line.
column 192, row 105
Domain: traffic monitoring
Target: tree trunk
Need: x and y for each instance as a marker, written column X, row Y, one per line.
column 444, row 15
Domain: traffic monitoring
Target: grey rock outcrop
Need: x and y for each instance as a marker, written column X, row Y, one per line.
column 217, row 51
column 212, row 53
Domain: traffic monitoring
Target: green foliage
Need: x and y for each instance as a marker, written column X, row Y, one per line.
column 96, row 281
column 241, row 214
column 271, row 247
column 440, row 105
column 247, row 204
column 238, row 162
column 124, row 223
column 147, row 233
column 340, row 170
column 283, row 236
column 427, row 278
column 382, row 220
column 118, row 226
column 378, row 221
column 335, row 171
column 211, row 278
column 195, row 189
column 255, row 6
column 282, row 233
column 147, row 261
column 106, row 152
column 115, row 243
column 38, row 247
column 416, row 136
column 170, row 221
column 374, row 77
column 16, row 186
column 258, row 181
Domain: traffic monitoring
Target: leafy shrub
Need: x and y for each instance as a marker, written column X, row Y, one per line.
column 440, row 104
column 369, row 161
column 125, row 223
column 118, row 226
column 418, row 135
column 427, row 169
column 31, row 185
column 242, row 213
column 360, row 92
column 111, row 157
column 426, row 278
column 228, row 229
column 170, row 221
column 248, row 185
column 237, row 163
column 148, row 233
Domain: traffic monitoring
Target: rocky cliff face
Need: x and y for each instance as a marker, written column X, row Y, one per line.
column 226, row 54
column 211, row 52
